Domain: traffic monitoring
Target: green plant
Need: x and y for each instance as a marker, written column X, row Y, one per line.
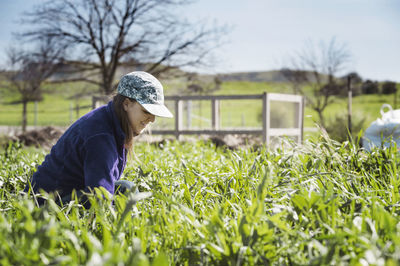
column 321, row 203
column 338, row 129
column 389, row 87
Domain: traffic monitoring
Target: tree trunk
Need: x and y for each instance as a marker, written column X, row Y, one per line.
column 321, row 118
column 24, row 119
column 107, row 87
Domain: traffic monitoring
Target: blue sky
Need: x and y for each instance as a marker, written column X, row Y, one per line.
column 266, row 33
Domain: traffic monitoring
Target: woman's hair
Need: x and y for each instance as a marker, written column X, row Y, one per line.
column 118, row 101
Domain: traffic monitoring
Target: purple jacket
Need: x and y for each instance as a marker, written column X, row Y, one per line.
column 89, row 154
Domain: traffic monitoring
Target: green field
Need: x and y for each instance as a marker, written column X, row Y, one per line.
column 321, row 204
column 57, row 109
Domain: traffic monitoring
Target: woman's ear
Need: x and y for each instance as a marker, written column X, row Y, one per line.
column 125, row 104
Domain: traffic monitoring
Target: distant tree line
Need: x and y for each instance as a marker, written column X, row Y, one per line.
column 360, row 86
column 373, row 87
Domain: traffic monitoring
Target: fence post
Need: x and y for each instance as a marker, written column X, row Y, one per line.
column 301, row 119
column 178, row 117
column 189, row 114
column 350, row 96
column 94, row 101
column 215, row 114
column 266, row 118
column 298, row 118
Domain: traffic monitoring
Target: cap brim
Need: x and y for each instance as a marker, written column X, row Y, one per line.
column 158, row 110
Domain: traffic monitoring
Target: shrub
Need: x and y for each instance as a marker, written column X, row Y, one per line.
column 370, row 87
column 340, row 90
column 337, row 127
column 356, row 81
column 389, row 87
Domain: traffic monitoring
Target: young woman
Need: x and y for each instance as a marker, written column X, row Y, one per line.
column 92, row 152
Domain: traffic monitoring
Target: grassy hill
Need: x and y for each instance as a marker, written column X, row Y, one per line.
column 261, row 76
column 58, row 106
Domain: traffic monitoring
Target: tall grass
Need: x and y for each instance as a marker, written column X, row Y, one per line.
column 321, row 203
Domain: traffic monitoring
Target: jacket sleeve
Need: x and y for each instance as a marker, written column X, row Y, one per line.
column 100, row 162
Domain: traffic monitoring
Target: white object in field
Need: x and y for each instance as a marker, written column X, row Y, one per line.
column 384, row 131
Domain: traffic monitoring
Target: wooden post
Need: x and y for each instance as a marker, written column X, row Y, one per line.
column 94, row 100
column 178, row 118
column 24, row 118
column 215, row 114
column 266, row 118
column 296, row 117
column 189, row 114
column 301, row 119
column 350, row 96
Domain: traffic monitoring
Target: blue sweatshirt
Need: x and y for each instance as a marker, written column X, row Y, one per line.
column 89, row 154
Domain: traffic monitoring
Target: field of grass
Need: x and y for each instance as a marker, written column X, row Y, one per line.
column 56, row 107
column 363, row 106
column 321, row 204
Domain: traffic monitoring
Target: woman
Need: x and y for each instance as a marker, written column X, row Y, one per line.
column 92, row 152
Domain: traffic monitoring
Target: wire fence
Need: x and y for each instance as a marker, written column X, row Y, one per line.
column 196, row 114
column 39, row 114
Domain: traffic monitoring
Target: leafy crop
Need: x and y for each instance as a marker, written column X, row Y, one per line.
column 322, row 203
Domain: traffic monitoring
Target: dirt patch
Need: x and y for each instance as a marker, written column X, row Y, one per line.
column 236, row 141
column 44, row 137
column 231, row 142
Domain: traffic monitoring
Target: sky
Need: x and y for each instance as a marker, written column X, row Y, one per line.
column 265, row 34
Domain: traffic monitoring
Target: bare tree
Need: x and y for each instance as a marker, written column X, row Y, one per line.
column 102, row 35
column 29, row 70
column 316, row 68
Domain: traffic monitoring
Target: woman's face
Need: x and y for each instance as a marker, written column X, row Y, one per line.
column 138, row 116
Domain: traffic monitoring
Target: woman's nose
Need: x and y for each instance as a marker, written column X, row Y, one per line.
column 152, row 118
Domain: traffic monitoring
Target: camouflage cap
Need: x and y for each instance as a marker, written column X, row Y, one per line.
column 146, row 90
